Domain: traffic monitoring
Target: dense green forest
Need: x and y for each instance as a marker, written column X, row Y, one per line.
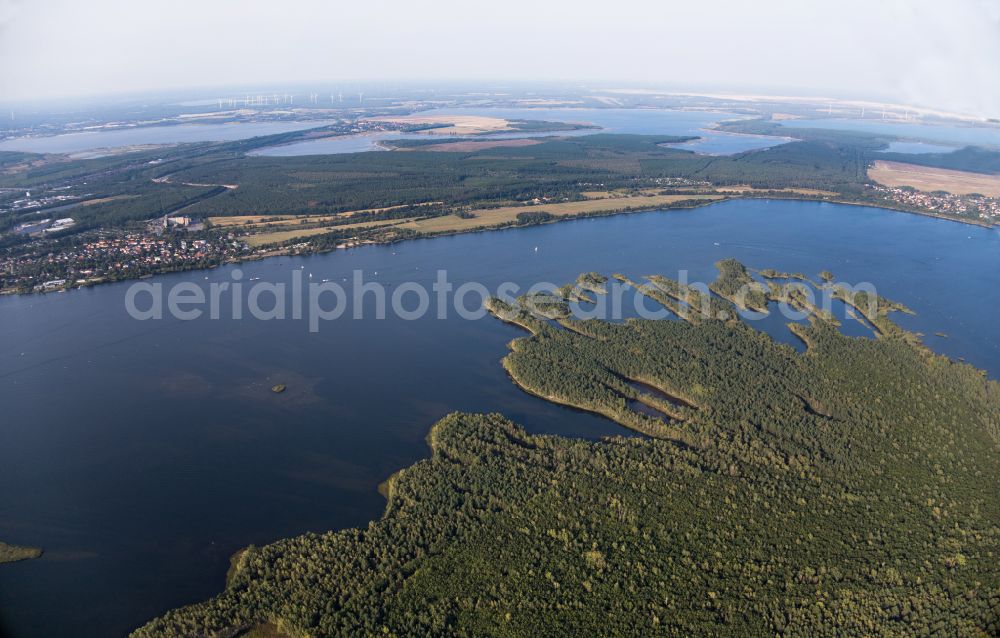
column 970, row 158
column 554, row 168
column 335, row 183
column 558, row 167
column 843, row 491
column 762, row 126
column 215, row 179
column 109, row 197
column 735, row 284
column 814, row 164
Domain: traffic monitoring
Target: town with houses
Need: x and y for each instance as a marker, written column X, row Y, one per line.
column 113, row 256
column 57, row 260
column 985, row 209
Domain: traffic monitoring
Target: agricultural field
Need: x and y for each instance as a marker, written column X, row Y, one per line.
column 744, row 188
column 928, row 178
column 253, row 221
column 283, row 234
column 489, row 217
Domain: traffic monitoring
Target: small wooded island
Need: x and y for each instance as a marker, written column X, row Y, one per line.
column 848, row 490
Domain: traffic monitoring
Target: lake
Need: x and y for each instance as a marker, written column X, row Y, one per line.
column 917, row 148
column 176, row 134
column 141, row 454
column 638, row 121
column 954, row 134
column 364, row 142
column 611, row 120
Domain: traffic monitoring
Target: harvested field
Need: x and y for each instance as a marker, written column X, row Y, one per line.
column 256, row 221
column 929, row 179
column 487, row 217
column 279, row 236
column 740, row 188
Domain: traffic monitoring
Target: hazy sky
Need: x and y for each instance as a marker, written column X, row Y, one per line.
column 928, row 52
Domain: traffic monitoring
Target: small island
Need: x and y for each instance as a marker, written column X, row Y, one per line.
column 14, row 553
column 278, row 388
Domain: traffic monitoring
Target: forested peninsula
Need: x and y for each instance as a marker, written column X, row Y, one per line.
column 847, row 490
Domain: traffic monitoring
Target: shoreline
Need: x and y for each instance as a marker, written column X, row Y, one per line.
column 899, row 209
column 445, row 448
column 286, row 252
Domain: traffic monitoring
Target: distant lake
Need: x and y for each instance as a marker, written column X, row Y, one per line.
column 635, row 121
column 917, row 148
column 364, row 142
column 944, row 133
column 641, row 122
column 141, row 455
column 115, row 138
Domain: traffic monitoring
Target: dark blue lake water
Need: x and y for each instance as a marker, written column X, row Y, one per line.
column 610, row 120
column 180, row 133
column 141, row 454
